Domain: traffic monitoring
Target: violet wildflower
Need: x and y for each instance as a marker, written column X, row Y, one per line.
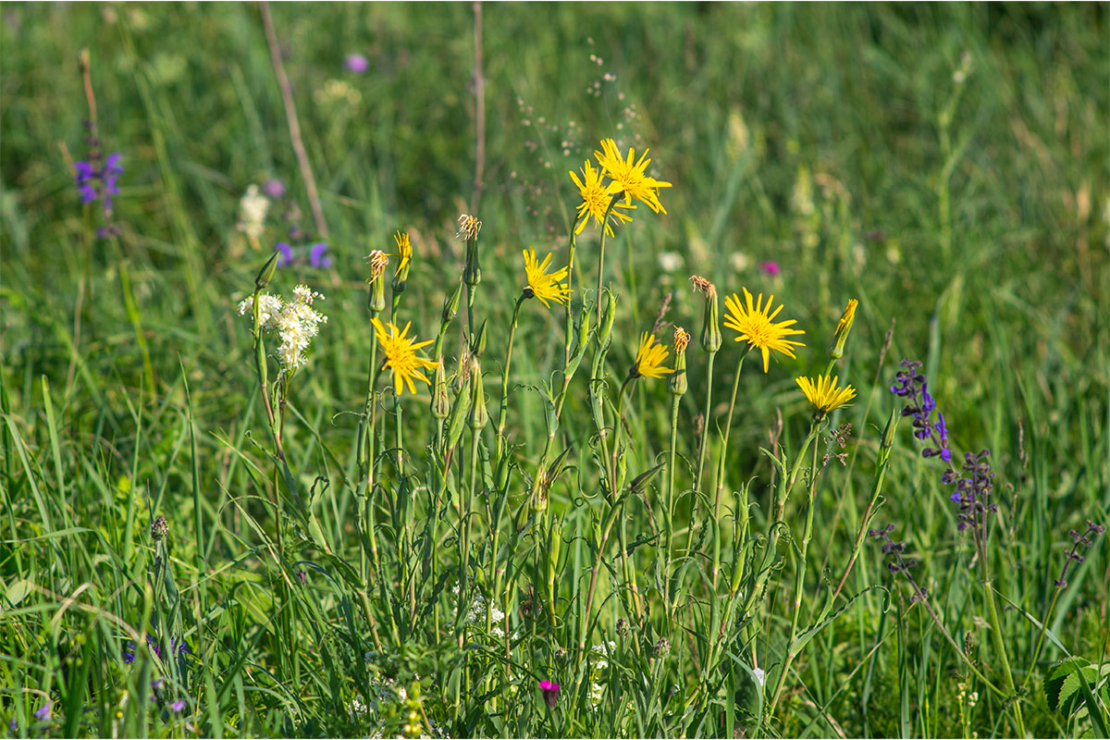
column 356, row 63
column 178, row 705
column 274, row 188
column 550, row 691
column 771, row 268
column 43, row 712
column 286, row 253
column 898, row 564
column 98, row 181
column 973, row 491
column 317, row 255
column 177, row 649
column 912, row 386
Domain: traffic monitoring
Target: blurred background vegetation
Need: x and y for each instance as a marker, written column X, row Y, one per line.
column 945, row 164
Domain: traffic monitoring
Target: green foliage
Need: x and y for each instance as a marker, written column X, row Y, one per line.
column 341, row 562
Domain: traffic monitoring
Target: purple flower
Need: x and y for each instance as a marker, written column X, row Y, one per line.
column 176, row 649
column 770, row 267
column 550, row 691
column 86, row 173
column 13, row 725
column 178, row 705
column 273, row 188
column 43, row 711
column 93, row 183
column 356, row 63
column 317, row 256
column 286, row 257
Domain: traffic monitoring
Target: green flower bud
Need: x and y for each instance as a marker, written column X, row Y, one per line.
column 376, row 303
column 267, row 271
column 451, row 304
column 607, row 318
column 441, row 404
column 836, row 351
column 891, row 428
column 478, row 341
column 711, row 338
column 479, row 416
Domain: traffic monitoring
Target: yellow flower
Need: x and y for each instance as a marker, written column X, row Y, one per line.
column 401, row 357
column 596, row 197
column 824, row 394
column 649, row 359
column 755, row 326
column 842, row 329
column 629, row 176
column 404, row 250
column 542, row 284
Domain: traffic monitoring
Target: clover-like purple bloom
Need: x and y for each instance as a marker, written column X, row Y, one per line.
column 273, row 188
column 286, row 257
column 356, row 63
column 43, row 711
column 317, row 255
column 178, row 705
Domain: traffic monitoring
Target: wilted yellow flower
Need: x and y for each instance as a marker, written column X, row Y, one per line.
column 629, row 176
column 824, row 394
column 755, row 325
column 596, row 197
column 681, row 339
column 401, row 357
column 649, row 359
column 842, row 329
column 469, row 226
column 378, row 262
column 404, row 250
column 542, row 284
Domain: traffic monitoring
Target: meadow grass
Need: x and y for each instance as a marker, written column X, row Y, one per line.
column 195, row 540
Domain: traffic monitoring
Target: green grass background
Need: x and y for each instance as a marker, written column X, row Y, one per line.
column 979, row 224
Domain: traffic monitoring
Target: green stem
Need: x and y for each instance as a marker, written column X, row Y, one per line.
column 705, row 419
column 668, row 521
column 601, row 252
column 505, row 380
column 1000, row 648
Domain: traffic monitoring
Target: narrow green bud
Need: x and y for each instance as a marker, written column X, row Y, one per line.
column 711, row 338
column 479, row 416
column 451, row 304
column 267, row 271
column 458, row 413
column 472, row 275
column 376, row 303
column 583, row 328
column 478, row 341
column 537, row 500
column 891, row 428
column 606, row 329
column 441, row 404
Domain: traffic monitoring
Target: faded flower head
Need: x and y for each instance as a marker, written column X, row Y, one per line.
column 703, row 286
column 547, row 286
column 681, row 340
column 469, row 226
column 378, row 262
column 754, row 322
column 159, row 529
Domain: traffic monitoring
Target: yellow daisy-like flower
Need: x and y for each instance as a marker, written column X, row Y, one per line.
column 649, row 359
column 756, row 326
column 401, row 357
column 542, row 284
column 596, row 197
column 404, row 250
column 629, row 175
column 824, row 394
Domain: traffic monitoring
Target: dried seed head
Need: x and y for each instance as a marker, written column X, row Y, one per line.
column 159, row 529
column 469, row 226
column 681, row 339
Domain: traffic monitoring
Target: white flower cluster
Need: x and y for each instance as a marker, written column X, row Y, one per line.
column 604, row 650
column 296, row 323
column 253, row 207
column 477, row 614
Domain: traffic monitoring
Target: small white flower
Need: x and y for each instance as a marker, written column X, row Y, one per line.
column 295, row 322
column 760, row 676
column 253, row 207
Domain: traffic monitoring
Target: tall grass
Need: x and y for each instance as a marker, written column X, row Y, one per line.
column 681, row 557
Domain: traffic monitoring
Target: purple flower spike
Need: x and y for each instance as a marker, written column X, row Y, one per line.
column 44, row 711
column 286, row 257
column 550, row 691
column 317, row 256
column 356, row 63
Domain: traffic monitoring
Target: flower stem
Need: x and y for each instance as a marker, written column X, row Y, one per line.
column 601, row 252
column 668, row 520
column 505, row 380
